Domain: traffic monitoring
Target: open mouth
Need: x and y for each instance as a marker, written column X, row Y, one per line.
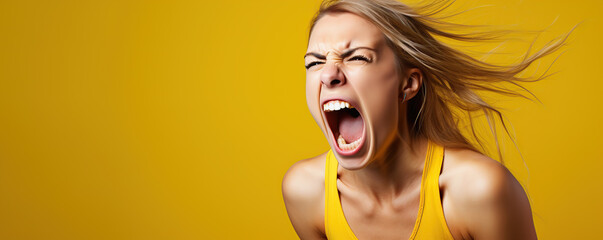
column 346, row 125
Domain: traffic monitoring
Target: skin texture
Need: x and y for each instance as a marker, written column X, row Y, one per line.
column 379, row 185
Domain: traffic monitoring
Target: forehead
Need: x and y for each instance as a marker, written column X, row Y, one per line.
column 338, row 31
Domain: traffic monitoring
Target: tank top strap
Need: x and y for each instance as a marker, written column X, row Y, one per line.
column 432, row 224
column 336, row 226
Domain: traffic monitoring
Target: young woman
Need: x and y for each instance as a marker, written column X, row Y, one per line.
column 383, row 90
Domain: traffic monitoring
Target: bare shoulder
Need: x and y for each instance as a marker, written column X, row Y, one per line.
column 305, row 179
column 482, row 199
column 303, row 193
column 473, row 176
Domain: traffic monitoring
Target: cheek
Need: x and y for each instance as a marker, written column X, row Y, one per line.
column 381, row 93
column 383, row 104
column 312, row 97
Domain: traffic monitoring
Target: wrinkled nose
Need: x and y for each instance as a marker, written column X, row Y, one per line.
column 332, row 76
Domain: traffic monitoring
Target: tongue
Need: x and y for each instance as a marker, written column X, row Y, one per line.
column 350, row 127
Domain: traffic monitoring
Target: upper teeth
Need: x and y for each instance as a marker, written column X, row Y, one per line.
column 335, row 105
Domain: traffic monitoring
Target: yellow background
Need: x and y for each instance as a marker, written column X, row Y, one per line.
column 178, row 119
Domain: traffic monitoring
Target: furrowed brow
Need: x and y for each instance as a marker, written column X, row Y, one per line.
column 319, row 56
column 349, row 52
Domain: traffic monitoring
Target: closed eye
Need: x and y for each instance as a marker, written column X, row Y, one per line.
column 311, row 64
column 359, row 58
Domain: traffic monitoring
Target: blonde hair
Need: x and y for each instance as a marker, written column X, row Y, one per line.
column 451, row 78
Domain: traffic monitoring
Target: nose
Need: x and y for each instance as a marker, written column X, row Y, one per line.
column 332, row 76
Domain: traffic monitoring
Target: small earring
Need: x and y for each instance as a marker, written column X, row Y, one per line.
column 404, row 99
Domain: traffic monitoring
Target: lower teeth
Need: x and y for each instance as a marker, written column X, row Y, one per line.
column 347, row 146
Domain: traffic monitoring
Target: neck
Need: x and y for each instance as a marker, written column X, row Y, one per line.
column 394, row 169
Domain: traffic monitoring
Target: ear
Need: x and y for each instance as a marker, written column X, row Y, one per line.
column 411, row 83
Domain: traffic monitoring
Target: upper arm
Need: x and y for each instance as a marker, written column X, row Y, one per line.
column 303, row 193
column 491, row 203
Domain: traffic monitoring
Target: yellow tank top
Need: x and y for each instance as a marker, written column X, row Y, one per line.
column 430, row 223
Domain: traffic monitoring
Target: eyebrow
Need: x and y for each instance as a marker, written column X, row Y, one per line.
column 345, row 54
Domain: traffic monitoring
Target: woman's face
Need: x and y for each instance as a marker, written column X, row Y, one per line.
column 352, row 87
